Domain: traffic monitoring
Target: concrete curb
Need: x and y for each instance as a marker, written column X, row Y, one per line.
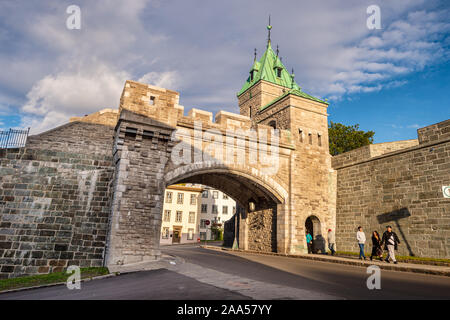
column 432, row 270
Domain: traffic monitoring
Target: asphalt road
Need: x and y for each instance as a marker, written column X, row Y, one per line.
column 159, row 284
column 341, row 281
column 345, row 281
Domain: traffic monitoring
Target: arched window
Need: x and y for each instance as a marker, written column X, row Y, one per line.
column 273, row 124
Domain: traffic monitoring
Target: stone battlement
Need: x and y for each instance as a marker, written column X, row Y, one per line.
column 162, row 104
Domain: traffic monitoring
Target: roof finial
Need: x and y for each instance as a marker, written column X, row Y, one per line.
column 255, row 55
column 269, row 27
column 292, row 78
column 278, row 51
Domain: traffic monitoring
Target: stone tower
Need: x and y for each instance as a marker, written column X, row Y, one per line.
column 270, row 96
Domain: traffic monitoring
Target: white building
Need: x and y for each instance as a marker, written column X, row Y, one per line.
column 186, row 210
column 216, row 207
column 181, row 218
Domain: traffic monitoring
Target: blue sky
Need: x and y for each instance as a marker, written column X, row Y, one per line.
column 392, row 80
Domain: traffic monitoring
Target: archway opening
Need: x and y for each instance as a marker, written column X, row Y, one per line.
column 251, row 223
column 313, row 226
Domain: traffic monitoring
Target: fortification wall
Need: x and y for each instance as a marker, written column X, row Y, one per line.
column 55, row 200
column 403, row 189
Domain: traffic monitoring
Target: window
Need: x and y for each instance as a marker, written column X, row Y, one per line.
column 225, row 210
column 319, row 139
column 310, row 138
column 251, row 75
column 215, row 195
column 214, row 208
column 193, row 199
column 279, row 72
column 130, row 132
column 168, row 197
column 225, row 196
column 180, row 197
column 191, row 217
column 205, row 194
column 152, row 100
column 204, row 208
column 167, row 216
column 273, row 124
column 179, row 216
column 203, row 223
column 250, row 111
column 300, row 135
column 165, row 233
column 190, row 234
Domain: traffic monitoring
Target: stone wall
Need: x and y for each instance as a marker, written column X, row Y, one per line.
column 142, row 148
column 55, row 200
column 402, row 189
column 262, row 226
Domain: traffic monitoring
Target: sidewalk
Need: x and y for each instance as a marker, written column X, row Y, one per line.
column 405, row 267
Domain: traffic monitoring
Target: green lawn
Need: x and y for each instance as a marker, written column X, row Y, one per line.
column 42, row 279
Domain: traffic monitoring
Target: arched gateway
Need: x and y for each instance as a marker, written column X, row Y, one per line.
column 284, row 173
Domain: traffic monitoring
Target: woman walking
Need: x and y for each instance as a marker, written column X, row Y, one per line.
column 377, row 251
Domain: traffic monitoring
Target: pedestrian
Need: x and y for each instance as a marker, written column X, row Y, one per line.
column 361, row 238
column 331, row 241
column 377, row 251
column 309, row 241
column 390, row 241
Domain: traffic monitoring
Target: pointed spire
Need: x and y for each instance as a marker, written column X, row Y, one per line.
column 269, row 27
column 255, row 56
column 292, row 78
column 278, row 51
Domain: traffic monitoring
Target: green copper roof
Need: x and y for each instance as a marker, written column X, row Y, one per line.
column 265, row 69
column 296, row 92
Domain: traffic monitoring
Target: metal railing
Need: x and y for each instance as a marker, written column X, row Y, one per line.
column 13, row 138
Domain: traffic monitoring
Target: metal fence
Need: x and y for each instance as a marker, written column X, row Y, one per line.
column 13, row 138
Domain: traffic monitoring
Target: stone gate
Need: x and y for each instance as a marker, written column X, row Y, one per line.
column 280, row 174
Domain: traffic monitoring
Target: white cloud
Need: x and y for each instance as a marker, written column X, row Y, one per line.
column 56, row 98
column 169, row 79
column 50, row 73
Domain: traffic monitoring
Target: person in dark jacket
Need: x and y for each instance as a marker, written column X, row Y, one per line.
column 377, row 251
column 390, row 241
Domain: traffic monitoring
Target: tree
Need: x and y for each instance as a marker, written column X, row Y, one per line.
column 344, row 138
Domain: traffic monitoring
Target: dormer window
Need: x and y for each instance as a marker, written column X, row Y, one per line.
column 251, row 75
column 278, row 71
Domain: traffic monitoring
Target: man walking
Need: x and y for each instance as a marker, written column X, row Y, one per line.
column 309, row 241
column 361, row 238
column 390, row 241
column 331, row 241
